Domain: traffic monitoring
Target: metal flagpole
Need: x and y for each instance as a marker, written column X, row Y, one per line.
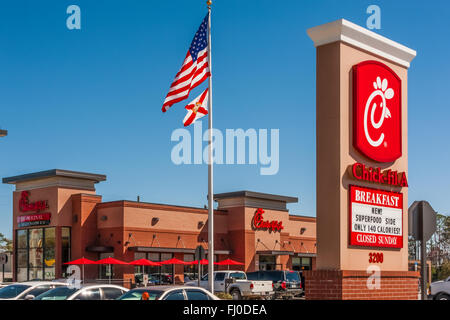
column 210, row 167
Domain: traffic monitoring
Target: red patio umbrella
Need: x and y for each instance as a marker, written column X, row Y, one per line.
column 202, row 262
column 109, row 261
column 229, row 262
column 81, row 262
column 145, row 262
column 174, row 261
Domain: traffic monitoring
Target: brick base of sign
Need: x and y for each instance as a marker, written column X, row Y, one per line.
column 352, row 285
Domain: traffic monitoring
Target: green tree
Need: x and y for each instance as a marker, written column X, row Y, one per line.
column 438, row 248
column 5, row 243
column 442, row 272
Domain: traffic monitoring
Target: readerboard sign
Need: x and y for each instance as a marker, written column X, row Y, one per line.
column 376, row 218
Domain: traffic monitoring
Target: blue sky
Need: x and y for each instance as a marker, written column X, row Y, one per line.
column 90, row 99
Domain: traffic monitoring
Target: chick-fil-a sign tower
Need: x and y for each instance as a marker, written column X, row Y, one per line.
column 362, row 108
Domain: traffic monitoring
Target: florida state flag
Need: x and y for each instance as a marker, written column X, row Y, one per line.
column 196, row 109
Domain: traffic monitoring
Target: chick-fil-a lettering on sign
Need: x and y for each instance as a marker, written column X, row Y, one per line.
column 376, row 218
column 26, row 206
column 260, row 223
column 375, row 175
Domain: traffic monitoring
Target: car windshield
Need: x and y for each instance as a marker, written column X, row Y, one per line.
column 60, row 293
column 292, row 276
column 238, row 275
column 136, row 294
column 12, row 291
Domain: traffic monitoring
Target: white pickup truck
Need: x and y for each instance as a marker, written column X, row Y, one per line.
column 236, row 284
column 440, row 290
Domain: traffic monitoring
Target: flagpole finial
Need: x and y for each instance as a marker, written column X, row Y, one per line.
column 209, row 3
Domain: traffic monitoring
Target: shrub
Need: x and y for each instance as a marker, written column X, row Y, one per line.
column 224, row 296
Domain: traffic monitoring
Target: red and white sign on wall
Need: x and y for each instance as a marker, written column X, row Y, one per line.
column 377, row 96
column 39, row 219
column 376, row 218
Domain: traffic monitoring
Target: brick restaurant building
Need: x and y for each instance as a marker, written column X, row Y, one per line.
column 58, row 217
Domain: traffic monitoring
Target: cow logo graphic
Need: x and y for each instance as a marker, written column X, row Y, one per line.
column 377, row 111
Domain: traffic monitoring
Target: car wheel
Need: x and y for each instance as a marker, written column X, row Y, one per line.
column 442, row 296
column 236, row 294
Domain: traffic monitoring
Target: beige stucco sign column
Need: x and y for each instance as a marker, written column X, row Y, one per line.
column 343, row 270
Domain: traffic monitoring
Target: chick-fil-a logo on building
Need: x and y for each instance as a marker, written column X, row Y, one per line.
column 377, row 130
column 26, row 206
column 260, row 223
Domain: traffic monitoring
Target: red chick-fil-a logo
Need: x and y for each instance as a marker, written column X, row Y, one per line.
column 25, row 205
column 377, row 116
column 259, row 223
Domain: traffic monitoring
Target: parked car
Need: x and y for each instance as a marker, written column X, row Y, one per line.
column 28, row 290
column 286, row 284
column 84, row 292
column 440, row 290
column 165, row 278
column 169, row 293
column 237, row 284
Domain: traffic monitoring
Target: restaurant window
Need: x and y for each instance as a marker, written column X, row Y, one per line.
column 65, row 248
column 139, row 256
column 167, row 269
column 106, row 271
column 49, row 253
column 300, row 263
column 153, row 270
column 190, row 271
column 306, row 264
column 35, row 254
column 139, row 270
column 267, row 262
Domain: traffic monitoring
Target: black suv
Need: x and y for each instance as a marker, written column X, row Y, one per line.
column 286, row 284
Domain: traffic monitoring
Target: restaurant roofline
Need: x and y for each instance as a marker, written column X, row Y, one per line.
column 257, row 195
column 54, row 173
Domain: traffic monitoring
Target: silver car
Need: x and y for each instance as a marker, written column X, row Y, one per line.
column 28, row 290
column 84, row 292
column 169, row 293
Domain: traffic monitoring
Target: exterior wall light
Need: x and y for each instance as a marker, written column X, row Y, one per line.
column 155, row 220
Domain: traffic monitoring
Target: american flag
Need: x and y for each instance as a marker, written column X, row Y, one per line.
column 195, row 68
